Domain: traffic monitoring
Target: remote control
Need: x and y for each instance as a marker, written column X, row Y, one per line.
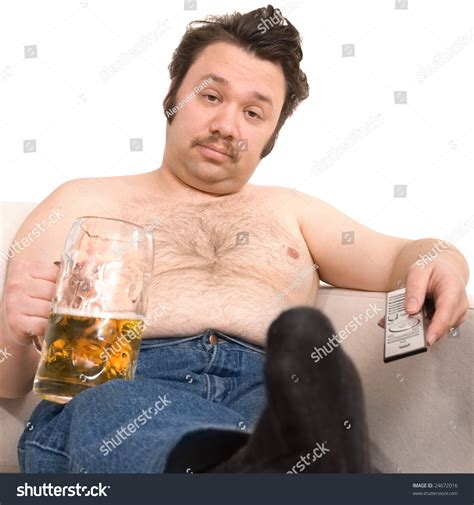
column 405, row 334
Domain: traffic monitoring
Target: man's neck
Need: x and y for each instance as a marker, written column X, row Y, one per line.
column 173, row 187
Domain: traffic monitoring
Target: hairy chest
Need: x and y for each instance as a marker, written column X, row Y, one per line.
column 221, row 264
column 240, row 238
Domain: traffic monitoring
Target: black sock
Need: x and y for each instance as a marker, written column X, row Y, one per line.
column 197, row 450
column 314, row 420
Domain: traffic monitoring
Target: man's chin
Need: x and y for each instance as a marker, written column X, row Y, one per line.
column 215, row 178
column 209, row 172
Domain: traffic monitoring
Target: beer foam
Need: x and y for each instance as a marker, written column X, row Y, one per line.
column 101, row 315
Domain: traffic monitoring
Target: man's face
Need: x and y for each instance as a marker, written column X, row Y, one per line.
column 236, row 114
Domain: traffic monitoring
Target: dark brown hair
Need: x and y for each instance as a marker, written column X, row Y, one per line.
column 263, row 33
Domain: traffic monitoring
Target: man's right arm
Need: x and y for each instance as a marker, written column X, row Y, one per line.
column 29, row 286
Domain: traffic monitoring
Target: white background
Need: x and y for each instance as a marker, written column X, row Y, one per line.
column 100, row 75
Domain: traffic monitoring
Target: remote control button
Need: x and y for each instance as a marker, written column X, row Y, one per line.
column 392, row 317
column 401, row 346
column 405, row 325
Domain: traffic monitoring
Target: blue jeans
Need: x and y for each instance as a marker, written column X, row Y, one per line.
column 201, row 394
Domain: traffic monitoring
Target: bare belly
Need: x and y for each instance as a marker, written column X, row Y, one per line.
column 232, row 264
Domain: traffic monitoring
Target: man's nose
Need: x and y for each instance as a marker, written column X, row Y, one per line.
column 225, row 123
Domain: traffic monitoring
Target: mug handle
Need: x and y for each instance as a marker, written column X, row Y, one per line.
column 37, row 343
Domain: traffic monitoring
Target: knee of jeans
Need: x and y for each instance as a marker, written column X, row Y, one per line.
column 110, row 389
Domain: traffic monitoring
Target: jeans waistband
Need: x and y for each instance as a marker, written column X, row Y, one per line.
column 169, row 341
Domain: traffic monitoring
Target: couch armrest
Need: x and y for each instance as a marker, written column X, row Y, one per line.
column 419, row 408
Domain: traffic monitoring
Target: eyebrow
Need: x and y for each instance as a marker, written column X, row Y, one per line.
column 225, row 82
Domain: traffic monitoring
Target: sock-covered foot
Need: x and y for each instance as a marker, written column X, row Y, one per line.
column 315, row 417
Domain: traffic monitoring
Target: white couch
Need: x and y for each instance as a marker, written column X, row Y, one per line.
column 420, row 409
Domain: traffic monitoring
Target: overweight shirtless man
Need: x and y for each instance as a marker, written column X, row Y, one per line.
column 226, row 358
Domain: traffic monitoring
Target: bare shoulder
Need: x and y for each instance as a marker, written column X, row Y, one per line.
column 291, row 202
column 107, row 184
column 43, row 232
column 104, row 194
column 272, row 193
column 83, row 196
column 304, row 203
column 286, row 200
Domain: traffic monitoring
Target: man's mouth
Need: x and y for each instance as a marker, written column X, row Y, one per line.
column 217, row 149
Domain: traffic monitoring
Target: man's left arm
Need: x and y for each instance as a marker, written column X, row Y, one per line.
column 433, row 267
column 351, row 255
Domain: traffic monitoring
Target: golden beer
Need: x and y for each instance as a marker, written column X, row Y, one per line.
column 80, row 351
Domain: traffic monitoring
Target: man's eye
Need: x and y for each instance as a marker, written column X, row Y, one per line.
column 253, row 115
column 210, row 97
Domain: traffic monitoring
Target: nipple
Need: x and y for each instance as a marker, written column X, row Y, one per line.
column 293, row 253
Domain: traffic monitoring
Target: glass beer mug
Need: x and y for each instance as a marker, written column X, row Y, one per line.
column 97, row 316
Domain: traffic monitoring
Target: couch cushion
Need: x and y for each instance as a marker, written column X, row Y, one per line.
column 13, row 416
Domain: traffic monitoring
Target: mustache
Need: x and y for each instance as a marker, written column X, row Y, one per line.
column 230, row 149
